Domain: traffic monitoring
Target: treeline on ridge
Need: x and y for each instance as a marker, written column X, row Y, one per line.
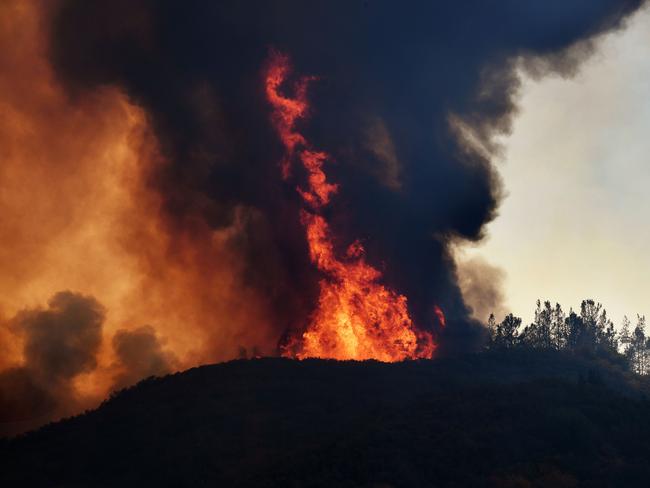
column 588, row 332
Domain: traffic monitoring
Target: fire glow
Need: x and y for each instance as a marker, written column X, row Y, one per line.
column 356, row 316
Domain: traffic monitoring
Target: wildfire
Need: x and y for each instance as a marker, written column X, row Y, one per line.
column 440, row 316
column 356, row 317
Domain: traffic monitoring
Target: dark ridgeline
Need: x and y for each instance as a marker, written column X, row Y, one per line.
column 550, row 404
column 390, row 77
column 517, row 418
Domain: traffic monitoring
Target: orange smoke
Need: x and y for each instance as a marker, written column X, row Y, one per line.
column 78, row 212
column 356, row 317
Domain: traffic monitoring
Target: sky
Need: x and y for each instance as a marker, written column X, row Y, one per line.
column 574, row 223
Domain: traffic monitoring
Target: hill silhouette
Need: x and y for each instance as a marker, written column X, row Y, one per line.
column 502, row 418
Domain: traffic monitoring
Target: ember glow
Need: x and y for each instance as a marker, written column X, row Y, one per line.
column 356, row 316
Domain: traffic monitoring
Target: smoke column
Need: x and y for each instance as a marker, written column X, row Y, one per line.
column 141, row 168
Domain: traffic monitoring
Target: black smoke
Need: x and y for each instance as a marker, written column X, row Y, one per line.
column 392, row 76
column 60, row 342
column 140, row 354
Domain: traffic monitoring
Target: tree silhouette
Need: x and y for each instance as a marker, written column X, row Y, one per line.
column 559, row 333
column 625, row 336
column 639, row 347
column 492, row 330
column 507, row 332
column 538, row 334
column 591, row 332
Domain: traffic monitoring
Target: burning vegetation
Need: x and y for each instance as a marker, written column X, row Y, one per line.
column 356, row 316
column 146, row 227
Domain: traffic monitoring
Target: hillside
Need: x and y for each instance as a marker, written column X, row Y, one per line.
column 515, row 419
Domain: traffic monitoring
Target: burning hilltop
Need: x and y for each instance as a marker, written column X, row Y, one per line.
column 146, row 226
column 356, row 317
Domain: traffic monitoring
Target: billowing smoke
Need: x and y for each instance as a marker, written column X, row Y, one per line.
column 140, row 166
column 60, row 342
column 79, row 212
column 482, row 287
column 140, row 354
column 390, row 79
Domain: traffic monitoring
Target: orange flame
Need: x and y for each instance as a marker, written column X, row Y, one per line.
column 440, row 316
column 356, row 317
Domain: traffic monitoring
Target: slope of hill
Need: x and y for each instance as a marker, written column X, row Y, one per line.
column 516, row 419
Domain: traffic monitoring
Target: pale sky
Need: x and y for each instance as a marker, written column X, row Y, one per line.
column 576, row 221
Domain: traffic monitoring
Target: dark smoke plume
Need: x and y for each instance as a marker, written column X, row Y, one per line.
column 60, row 343
column 392, row 78
column 140, row 355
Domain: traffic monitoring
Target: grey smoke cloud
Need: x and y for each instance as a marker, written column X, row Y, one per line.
column 140, row 354
column 60, row 342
